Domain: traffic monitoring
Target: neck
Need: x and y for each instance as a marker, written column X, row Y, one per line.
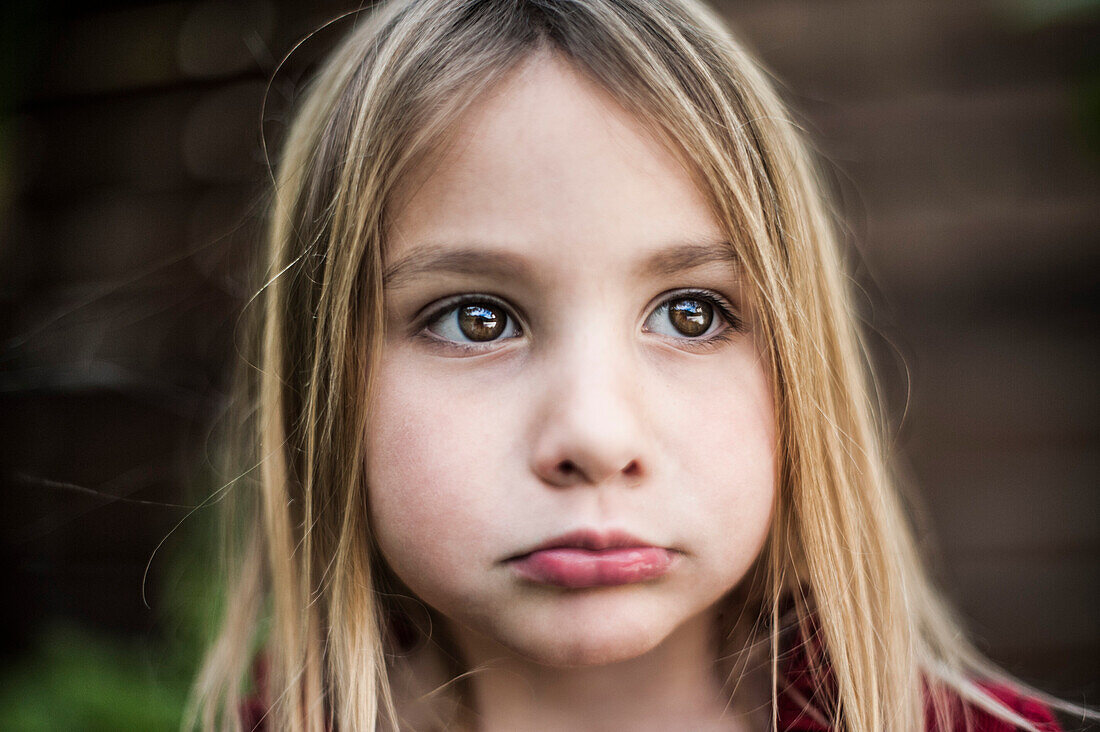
column 676, row 685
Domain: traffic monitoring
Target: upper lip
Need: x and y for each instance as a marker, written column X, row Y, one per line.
column 592, row 539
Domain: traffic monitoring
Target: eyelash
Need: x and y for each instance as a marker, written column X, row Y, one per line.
column 723, row 308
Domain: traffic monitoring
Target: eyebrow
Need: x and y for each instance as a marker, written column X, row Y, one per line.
column 469, row 260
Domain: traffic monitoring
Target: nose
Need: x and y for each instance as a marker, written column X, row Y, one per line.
column 591, row 429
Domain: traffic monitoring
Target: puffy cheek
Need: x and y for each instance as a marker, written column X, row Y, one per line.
column 730, row 458
column 423, row 479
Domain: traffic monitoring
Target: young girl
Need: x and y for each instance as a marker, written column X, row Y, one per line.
column 560, row 417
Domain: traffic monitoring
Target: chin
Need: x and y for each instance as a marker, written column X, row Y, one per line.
column 588, row 642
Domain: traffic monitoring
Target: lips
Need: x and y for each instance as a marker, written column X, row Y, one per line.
column 589, row 558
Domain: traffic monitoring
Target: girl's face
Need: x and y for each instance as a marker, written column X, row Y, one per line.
column 569, row 353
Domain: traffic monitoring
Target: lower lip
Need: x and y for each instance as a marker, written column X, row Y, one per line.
column 575, row 568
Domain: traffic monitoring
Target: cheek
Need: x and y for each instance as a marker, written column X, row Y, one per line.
column 724, row 448
column 431, row 457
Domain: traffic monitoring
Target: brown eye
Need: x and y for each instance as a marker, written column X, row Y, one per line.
column 474, row 321
column 481, row 323
column 690, row 316
column 695, row 318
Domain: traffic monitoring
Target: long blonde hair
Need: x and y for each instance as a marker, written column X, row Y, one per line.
column 840, row 559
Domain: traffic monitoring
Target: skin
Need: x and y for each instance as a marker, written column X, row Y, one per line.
column 591, row 411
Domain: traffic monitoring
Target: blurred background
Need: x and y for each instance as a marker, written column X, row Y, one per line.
column 962, row 141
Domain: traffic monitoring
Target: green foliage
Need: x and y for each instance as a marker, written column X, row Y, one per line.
column 78, row 680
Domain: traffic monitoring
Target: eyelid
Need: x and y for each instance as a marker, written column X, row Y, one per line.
column 435, row 310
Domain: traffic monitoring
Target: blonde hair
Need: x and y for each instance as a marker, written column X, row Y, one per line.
column 840, row 558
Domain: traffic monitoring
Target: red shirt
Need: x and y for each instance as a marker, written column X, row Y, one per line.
column 801, row 685
column 793, row 719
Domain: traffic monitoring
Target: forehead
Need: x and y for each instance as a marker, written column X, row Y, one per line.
column 548, row 166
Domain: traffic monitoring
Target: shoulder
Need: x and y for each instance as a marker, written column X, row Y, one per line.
column 807, row 686
column 1027, row 707
column 795, row 715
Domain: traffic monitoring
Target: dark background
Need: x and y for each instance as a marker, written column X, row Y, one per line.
column 963, row 144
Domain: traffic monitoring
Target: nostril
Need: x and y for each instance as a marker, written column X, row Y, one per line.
column 569, row 472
